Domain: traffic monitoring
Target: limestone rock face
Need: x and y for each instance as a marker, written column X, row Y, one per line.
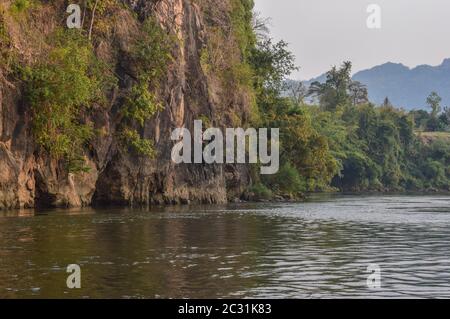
column 29, row 178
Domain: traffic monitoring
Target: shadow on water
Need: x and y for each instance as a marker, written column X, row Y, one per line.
column 320, row 248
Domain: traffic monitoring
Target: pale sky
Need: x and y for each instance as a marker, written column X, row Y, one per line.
column 323, row 33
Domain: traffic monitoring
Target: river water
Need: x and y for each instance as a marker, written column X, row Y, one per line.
column 318, row 249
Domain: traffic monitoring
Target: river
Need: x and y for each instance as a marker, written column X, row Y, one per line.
column 318, row 249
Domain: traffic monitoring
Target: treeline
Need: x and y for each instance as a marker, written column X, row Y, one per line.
column 437, row 120
column 344, row 142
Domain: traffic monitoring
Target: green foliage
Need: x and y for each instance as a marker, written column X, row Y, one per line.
column 20, row 6
column 309, row 164
column 378, row 150
column 206, row 120
column 375, row 147
column 99, row 5
column 424, row 121
column 227, row 49
column 446, row 114
column 272, row 63
column 152, row 52
column 8, row 53
column 5, row 43
column 141, row 104
column 286, row 181
column 261, row 192
column 421, row 119
column 240, row 74
column 241, row 21
column 304, row 147
column 346, row 142
column 59, row 90
column 339, row 89
column 434, row 102
column 433, row 164
column 141, row 146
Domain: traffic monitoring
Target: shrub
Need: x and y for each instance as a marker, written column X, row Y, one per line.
column 287, row 180
column 434, row 170
column 139, row 145
column 19, row 6
column 261, row 192
column 141, row 104
column 152, row 51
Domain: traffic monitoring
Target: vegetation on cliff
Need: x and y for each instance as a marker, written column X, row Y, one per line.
column 59, row 89
column 63, row 85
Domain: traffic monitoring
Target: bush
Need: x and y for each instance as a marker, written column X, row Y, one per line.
column 434, row 170
column 19, row 6
column 152, row 52
column 141, row 104
column 286, row 181
column 139, row 145
column 413, row 183
column 260, row 192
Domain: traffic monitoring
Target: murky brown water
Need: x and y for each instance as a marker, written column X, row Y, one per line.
column 317, row 249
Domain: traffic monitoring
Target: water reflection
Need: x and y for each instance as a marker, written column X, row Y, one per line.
column 315, row 249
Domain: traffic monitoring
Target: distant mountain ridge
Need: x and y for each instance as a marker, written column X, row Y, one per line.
column 405, row 87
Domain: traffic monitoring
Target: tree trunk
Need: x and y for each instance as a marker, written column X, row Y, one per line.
column 92, row 19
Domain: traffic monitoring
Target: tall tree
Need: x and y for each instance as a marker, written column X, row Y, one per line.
column 358, row 93
column 434, row 102
column 272, row 63
column 335, row 91
column 297, row 91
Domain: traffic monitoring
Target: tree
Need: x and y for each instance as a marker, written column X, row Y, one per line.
column 358, row 93
column 338, row 89
column 446, row 113
column 444, row 122
column 271, row 63
column 260, row 26
column 434, row 102
column 387, row 103
column 297, row 91
column 300, row 144
column 421, row 119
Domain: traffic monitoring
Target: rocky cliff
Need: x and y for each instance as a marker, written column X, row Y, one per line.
column 114, row 174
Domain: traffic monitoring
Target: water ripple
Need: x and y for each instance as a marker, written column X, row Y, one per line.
column 318, row 249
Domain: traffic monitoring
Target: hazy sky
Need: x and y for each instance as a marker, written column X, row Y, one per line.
column 323, row 33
